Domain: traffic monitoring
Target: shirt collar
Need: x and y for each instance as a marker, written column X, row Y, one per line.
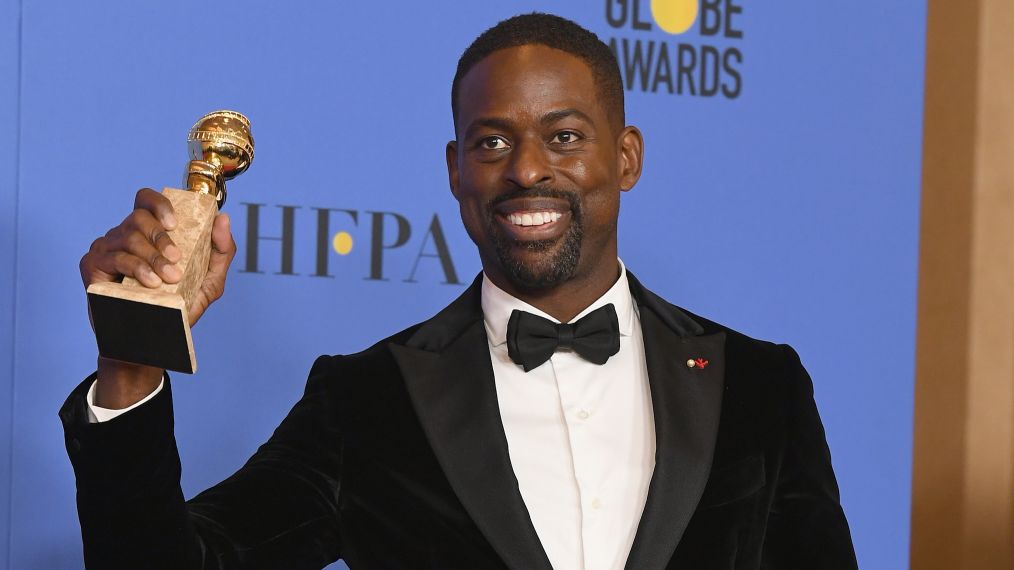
column 497, row 306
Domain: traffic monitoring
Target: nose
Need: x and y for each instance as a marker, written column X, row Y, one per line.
column 528, row 165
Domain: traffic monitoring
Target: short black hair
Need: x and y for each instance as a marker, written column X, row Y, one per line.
column 555, row 32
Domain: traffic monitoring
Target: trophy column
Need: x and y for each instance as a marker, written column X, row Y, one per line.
column 150, row 326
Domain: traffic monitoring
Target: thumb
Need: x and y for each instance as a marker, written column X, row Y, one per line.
column 223, row 250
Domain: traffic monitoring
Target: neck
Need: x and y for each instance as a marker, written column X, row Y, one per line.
column 566, row 300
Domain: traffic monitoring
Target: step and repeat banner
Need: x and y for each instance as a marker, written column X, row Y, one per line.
column 780, row 197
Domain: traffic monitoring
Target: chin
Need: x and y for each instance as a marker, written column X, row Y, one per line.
column 541, row 266
column 538, row 264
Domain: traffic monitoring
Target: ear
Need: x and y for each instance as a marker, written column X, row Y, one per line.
column 451, row 153
column 630, row 157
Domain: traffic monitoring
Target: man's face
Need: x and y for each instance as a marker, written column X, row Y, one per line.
column 538, row 166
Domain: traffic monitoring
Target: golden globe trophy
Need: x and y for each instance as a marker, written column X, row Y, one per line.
column 134, row 323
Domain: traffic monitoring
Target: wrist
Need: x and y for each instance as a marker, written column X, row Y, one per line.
column 121, row 384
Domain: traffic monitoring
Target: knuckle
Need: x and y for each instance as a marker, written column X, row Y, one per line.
column 160, row 204
column 160, row 237
column 134, row 218
column 141, row 197
column 134, row 241
column 119, row 260
column 127, row 264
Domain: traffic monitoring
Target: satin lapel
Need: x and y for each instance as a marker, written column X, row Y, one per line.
column 687, row 405
column 449, row 377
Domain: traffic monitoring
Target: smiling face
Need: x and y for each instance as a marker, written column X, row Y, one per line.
column 538, row 167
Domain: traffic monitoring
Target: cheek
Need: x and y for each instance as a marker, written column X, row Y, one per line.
column 579, row 171
column 589, row 173
column 600, row 210
column 473, row 216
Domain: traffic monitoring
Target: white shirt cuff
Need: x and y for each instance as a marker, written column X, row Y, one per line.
column 97, row 415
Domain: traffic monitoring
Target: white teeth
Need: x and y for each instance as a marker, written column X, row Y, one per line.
column 534, row 219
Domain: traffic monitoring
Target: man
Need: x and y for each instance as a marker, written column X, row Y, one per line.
column 637, row 435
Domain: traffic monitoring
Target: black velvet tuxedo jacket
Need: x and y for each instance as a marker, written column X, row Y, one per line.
column 396, row 458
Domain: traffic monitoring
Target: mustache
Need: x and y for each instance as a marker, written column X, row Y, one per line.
column 539, row 191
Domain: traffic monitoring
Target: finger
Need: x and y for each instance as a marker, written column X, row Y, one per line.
column 158, row 205
column 155, row 231
column 139, row 246
column 138, row 236
column 114, row 263
column 146, row 224
column 166, row 246
column 103, row 264
column 90, row 273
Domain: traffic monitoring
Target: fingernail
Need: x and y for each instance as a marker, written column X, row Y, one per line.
column 172, row 252
column 149, row 277
column 172, row 272
column 170, row 221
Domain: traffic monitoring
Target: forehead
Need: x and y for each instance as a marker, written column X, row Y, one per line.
column 527, row 82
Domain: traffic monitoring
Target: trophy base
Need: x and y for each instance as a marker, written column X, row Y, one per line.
column 142, row 326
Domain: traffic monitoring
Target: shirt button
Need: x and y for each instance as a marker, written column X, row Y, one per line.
column 583, row 414
column 596, row 504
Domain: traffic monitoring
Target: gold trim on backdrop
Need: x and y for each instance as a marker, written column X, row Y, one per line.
column 963, row 472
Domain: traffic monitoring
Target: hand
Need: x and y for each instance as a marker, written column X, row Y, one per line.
column 140, row 247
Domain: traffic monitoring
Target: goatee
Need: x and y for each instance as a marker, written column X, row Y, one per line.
column 550, row 269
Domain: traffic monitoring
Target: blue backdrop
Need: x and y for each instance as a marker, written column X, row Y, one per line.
column 780, row 197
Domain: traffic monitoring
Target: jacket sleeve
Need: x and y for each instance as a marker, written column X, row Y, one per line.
column 806, row 525
column 281, row 507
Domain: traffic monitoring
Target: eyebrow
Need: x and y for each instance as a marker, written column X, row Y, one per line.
column 554, row 116
column 501, row 124
column 489, row 122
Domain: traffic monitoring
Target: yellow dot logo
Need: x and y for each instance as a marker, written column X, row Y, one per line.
column 674, row 16
column 342, row 243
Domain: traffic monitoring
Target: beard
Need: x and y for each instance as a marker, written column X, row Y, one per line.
column 552, row 267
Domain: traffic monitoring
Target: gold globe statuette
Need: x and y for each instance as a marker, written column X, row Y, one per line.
column 134, row 323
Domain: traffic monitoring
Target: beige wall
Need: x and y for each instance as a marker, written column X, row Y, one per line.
column 963, row 485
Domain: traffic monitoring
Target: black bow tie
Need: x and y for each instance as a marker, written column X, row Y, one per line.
column 531, row 339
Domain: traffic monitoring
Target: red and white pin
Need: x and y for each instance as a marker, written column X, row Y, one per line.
column 697, row 363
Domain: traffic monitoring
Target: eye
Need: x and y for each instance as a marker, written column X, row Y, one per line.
column 493, row 143
column 566, row 137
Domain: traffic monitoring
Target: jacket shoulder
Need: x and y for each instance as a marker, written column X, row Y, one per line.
column 366, row 359
column 736, row 338
column 745, row 353
column 740, row 348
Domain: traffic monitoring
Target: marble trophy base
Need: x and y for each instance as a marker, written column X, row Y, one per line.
column 149, row 326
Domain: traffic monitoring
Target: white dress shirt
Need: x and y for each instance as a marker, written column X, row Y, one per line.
column 98, row 415
column 581, row 436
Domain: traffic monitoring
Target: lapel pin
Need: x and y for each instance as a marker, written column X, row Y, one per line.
column 697, row 363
